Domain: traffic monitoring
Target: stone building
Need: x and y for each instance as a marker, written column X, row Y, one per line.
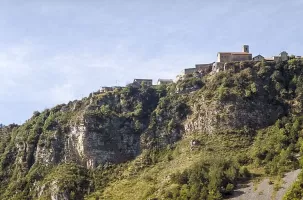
column 147, row 82
column 258, row 58
column 106, row 89
column 164, row 81
column 283, row 56
column 188, row 71
column 235, row 56
column 204, row 68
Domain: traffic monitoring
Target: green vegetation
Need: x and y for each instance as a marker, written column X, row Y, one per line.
column 296, row 191
column 180, row 173
column 247, row 122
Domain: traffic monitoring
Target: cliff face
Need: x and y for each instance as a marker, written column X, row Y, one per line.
column 92, row 144
column 218, row 116
column 249, row 98
column 116, row 127
column 94, row 134
column 89, row 146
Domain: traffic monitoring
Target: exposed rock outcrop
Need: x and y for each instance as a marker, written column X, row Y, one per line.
column 221, row 116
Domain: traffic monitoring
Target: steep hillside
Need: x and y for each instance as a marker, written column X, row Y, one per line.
column 195, row 139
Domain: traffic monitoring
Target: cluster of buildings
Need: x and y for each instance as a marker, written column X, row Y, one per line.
column 225, row 57
column 222, row 59
column 137, row 83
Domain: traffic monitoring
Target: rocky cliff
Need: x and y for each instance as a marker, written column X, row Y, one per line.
column 88, row 138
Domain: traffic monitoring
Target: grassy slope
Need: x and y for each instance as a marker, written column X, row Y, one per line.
column 153, row 181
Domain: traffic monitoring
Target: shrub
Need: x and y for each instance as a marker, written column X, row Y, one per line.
column 229, row 188
column 244, row 172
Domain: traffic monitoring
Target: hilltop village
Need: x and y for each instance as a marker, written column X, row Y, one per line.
column 223, row 58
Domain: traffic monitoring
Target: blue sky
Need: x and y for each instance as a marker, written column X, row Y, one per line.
column 55, row 51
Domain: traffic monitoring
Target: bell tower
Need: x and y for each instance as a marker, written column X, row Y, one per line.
column 245, row 48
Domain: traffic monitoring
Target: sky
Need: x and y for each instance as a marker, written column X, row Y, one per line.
column 53, row 52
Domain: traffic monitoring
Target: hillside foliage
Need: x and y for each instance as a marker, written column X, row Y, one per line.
column 167, row 166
